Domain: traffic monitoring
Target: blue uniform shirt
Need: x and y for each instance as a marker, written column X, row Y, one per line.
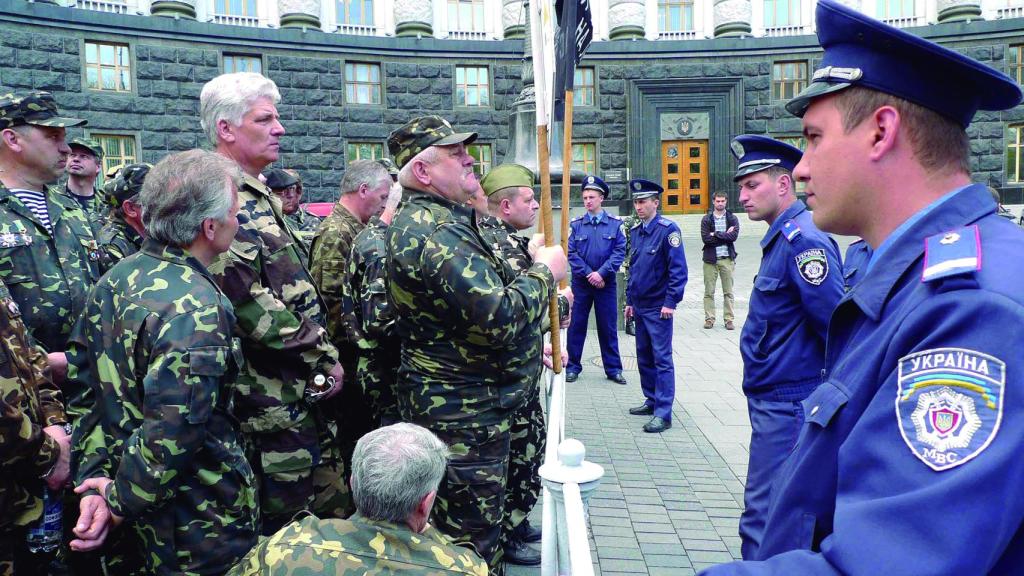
column 657, row 265
column 909, row 461
column 597, row 246
column 799, row 283
column 855, row 263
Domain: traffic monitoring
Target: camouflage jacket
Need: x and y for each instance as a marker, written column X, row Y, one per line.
column 48, row 275
column 332, row 248
column 357, row 546
column 29, row 402
column 280, row 321
column 304, row 225
column 469, row 338
column 117, row 241
column 96, row 208
column 156, row 357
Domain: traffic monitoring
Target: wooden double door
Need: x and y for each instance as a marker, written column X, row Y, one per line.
column 684, row 176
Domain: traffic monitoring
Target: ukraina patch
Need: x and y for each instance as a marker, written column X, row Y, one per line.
column 674, row 240
column 949, row 404
column 812, row 265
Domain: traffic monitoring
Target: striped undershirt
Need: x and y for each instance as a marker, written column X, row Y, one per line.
column 36, row 202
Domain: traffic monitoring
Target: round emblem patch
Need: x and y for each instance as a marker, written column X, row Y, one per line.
column 812, row 265
column 674, row 240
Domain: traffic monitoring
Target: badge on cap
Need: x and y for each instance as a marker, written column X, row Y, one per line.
column 636, row 186
column 812, row 265
column 949, row 404
column 590, row 179
column 737, row 149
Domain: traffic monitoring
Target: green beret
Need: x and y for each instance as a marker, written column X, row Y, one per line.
column 507, row 176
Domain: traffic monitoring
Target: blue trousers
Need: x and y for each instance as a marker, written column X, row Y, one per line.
column 654, row 360
column 606, row 310
column 774, row 429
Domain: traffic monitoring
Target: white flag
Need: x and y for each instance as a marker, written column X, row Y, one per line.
column 542, row 35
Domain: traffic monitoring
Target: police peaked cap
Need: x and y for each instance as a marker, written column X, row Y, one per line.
column 640, row 188
column 755, row 153
column 595, row 183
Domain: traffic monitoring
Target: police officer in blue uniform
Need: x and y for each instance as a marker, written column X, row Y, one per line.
column 597, row 248
column 854, row 263
column 798, row 285
column 657, row 277
column 909, row 461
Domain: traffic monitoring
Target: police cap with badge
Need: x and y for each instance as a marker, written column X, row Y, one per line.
column 755, row 153
column 640, row 189
column 596, row 184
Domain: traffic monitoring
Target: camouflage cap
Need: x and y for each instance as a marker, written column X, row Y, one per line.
column 506, row 176
column 421, row 133
column 111, row 172
column 389, row 165
column 127, row 184
column 89, row 144
column 36, row 108
column 278, row 179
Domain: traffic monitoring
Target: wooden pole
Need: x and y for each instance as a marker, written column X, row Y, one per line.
column 566, row 175
column 547, row 224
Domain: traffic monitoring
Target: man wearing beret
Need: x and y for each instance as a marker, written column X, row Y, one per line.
column 83, row 167
column 123, row 234
column 469, row 337
column 909, row 458
column 597, row 247
column 657, row 278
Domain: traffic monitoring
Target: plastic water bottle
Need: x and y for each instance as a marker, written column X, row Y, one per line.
column 46, row 534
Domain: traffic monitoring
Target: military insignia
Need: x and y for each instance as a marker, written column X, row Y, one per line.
column 590, row 179
column 791, row 230
column 636, row 186
column 949, row 238
column 12, row 239
column 954, row 252
column 949, row 404
column 812, row 265
column 12, row 307
column 737, row 149
column 674, row 240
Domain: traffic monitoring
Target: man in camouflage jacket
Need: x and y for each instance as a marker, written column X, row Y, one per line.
column 466, row 333
column 122, row 236
column 83, row 168
column 281, row 318
column 157, row 446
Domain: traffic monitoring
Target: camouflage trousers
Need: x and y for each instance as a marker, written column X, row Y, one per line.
column 471, row 498
column 526, row 454
column 376, row 373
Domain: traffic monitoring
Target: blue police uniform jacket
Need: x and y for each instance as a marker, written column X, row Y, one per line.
column 855, row 263
column 657, row 265
column 597, row 247
column 909, row 460
column 799, row 283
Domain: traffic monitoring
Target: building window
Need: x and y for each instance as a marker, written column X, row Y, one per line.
column 118, row 150
column 894, row 9
column 481, row 154
column 362, row 83
column 788, row 79
column 466, row 15
column 108, row 67
column 1016, row 58
column 584, row 157
column 365, row 151
column 583, row 87
column 242, row 63
column 675, row 15
column 240, row 12
column 355, row 12
column 472, row 87
column 781, row 13
column 1014, row 147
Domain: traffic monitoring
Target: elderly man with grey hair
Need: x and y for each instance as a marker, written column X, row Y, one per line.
column 395, row 473
column 155, row 445
column 290, row 363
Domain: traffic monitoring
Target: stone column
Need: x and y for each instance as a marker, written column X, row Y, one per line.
column 954, row 10
column 414, row 18
column 732, row 18
column 626, row 19
column 174, row 8
column 513, row 18
column 299, row 13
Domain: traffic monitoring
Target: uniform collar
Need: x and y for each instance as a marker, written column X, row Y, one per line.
column 907, row 225
column 964, row 207
column 795, row 209
column 459, row 211
column 595, row 219
column 175, row 255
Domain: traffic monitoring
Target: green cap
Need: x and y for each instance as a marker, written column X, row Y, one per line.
column 89, row 144
column 127, row 184
column 36, row 108
column 506, row 176
column 421, row 133
column 388, row 165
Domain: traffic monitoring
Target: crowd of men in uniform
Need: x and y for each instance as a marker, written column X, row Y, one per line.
column 201, row 369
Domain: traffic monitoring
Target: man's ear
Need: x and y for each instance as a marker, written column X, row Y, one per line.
column 419, row 170
column 209, row 228
column 225, row 131
column 11, row 139
column 885, row 129
column 785, row 184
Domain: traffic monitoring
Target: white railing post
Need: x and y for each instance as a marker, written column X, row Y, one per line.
column 568, row 484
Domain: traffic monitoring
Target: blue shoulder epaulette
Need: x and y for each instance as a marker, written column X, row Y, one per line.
column 612, row 217
column 791, row 230
column 948, row 254
column 577, row 219
column 664, row 221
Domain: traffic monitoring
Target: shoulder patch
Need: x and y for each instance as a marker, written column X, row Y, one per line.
column 812, row 265
column 674, row 240
column 951, row 253
column 949, row 404
column 791, row 230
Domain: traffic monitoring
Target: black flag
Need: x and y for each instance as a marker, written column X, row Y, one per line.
column 575, row 31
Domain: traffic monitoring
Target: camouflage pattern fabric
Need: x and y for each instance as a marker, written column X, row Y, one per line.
column 95, row 206
column 48, row 275
column 280, row 321
column 421, row 133
column 117, row 241
column 304, row 225
column 155, row 356
column 92, row 145
column 37, row 108
column 29, row 402
column 355, row 547
column 364, row 291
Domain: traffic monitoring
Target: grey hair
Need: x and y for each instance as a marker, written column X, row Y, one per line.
column 393, row 468
column 428, row 156
column 359, row 172
column 229, row 97
column 182, row 191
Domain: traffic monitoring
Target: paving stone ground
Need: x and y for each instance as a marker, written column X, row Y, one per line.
column 669, row 504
